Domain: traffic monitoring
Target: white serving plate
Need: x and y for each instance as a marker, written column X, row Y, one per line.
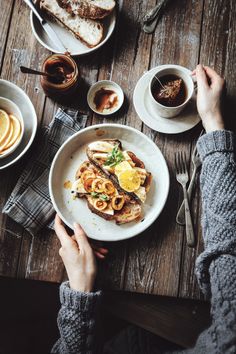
column 18, row 96
column 73, row 152
column 73, row 45
column 146, row 111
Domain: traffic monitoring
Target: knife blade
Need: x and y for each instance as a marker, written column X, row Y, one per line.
column 47, row 28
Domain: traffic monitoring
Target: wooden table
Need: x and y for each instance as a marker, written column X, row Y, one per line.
column 158, row 261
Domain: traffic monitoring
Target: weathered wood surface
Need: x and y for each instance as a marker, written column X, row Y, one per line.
column 158, row 261
column 179, row 321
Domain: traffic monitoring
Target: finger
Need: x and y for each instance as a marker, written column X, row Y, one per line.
column 193, row 73
column 100, row 249
column 61, row 231
column 201, row 77
column 81, row 237
column 99, row 255
column 212, row 74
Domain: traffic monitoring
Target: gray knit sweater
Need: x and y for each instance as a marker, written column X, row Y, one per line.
column 215, row 267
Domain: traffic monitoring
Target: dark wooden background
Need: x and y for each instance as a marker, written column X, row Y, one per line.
column 158, row 261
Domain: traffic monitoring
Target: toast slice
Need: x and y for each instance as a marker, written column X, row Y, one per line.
column 111, row 159
column 103, row 199
column 93, row 9
column 90, row 32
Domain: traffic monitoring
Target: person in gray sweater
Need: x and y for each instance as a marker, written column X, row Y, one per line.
column 215, row 267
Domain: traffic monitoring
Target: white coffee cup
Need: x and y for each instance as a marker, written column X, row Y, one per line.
column 182, row 73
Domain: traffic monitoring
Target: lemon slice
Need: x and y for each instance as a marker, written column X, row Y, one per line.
column 129, row 180
column 5, row 124
column 16, row 131
column 8, row 138
column 122, row 166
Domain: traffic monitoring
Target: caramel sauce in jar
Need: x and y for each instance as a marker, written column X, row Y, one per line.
column 65, row 76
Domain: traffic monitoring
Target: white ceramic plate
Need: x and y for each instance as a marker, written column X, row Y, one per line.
column 73, row 45
column 73, row 152
column 145, row 109
column 19, row 97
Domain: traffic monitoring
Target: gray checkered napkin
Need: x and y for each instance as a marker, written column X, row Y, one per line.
column 30, row 204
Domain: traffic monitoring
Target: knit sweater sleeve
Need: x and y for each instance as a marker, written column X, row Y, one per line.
column 216, row 266
column 76, row 321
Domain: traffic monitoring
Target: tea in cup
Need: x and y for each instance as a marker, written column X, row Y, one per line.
column 170, row 90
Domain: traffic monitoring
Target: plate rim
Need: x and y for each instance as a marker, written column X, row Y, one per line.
column 98, row 126
column 140, row 114
column 34, row 125
column 76, row 54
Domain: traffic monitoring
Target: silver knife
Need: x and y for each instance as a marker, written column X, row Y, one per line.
column 47, row 28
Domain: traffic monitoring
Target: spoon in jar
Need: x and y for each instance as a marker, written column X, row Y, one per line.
column 58, row 76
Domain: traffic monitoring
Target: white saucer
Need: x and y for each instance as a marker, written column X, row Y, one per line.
column 145, row 109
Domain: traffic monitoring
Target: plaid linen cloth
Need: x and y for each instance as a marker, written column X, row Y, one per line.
column 30, row 204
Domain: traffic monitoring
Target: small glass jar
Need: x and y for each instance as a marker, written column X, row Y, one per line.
column 66, row 76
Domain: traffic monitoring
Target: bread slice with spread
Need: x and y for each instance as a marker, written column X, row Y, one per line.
column 90, row 32
column 93, row 9
column 123, row 168
column 103, row 198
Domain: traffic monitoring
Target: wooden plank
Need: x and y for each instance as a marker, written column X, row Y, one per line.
column 41, row 260
column 178, row 321
column 18, row 52
column 176, row 40
column 218, row 48
column 5, row 20
column 124, row 62
column 127, row 58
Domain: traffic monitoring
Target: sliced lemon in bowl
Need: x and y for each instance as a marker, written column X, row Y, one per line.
column 16, row 131
column 121, row 167
column 129, row 180
column 5, row 125
column 7, row 139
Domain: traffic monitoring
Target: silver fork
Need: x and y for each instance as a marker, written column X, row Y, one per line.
column 180, row 218
column 182, row 178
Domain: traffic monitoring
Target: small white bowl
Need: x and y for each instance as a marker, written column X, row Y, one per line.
column 111, row 85
column 11, row 108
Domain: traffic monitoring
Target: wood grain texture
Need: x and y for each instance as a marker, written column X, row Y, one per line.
column 5, row 21
column 158, row 261
column 178, row 321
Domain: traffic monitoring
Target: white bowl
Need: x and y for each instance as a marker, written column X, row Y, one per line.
column 19, row 97
column 111, row 85
column 11, row 108
column 73, row 152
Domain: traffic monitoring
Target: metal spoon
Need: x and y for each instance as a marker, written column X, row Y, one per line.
column 26, row 70
column 153, row 16
column 159, row 82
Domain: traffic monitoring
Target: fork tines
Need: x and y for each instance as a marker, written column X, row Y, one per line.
column 181, row 162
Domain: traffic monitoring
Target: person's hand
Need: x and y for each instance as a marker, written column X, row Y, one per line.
column 209, row 96
column 78, row 257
